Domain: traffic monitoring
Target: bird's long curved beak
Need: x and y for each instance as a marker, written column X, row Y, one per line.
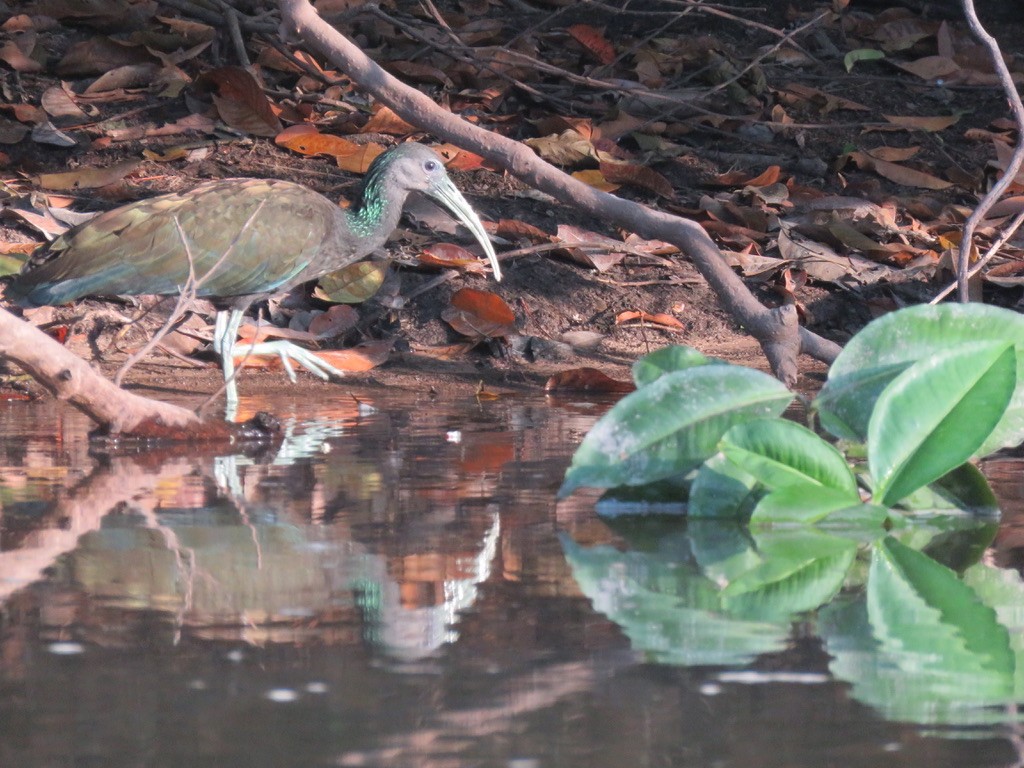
column 446, row 193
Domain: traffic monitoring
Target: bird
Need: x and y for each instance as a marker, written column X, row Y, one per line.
column 237, row 242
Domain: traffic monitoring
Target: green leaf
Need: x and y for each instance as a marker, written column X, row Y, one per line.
column 671, row 425
column 799, row 571
column 963, row 489
column 920, row 607
column 665, row 360
column 861, row 54
column 781, row 453
column 802, row 504
column 904, row 337
column 670, row 612
column 721, row 489
column 936, row 414
column 11, row 263
column 844, row 404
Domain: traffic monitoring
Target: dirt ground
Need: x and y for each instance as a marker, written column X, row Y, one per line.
column 555, row 299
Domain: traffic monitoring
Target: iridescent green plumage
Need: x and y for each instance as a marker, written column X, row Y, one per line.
column 242, row 239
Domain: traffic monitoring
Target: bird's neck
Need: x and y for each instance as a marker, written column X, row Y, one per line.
column 374, row 214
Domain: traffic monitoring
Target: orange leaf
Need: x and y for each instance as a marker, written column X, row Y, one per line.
column 240, row 101
column 451, row 256
column 770, row 175
column 384, row 120
column 479, row 314
column 658, row 318
column 587, row 380
column 359, row 358
column 456, row 159
column 595, row 42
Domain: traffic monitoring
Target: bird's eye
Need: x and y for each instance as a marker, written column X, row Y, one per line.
column 430, row 166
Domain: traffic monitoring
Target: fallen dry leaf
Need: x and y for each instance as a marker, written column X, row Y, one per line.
column 587, row 380
column 638, row 176
column 900, row 174
column 594, row 178
column 335, row 321
column 595, row 42
column 658, row 318
column 240, row 100
column 479, row 314
column 87, row 178
column 451, row 256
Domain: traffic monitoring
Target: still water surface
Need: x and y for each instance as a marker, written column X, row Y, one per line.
column 398, row 587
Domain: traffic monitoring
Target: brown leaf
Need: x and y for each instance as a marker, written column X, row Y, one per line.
column 334, row 322
column 362, row 357
column 11, row 132
column 479, row 314
column 590, row 248
column 893, row 154
column 16, row 59
column 424, row 73
column 87, row 178
column 587, row 380
column 565, row 149
column 98, row 55
column 513, row 229
column 931, row 67
column 829, row 102
column 128, row 76
column 658, row 318
column 932, row 123
column 900, row 174
column 59, row 103
column 638, row 176
column 595, row 42
column 240, row 100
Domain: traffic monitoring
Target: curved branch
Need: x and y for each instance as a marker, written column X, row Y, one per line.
column 781, row 338
column 116, row 411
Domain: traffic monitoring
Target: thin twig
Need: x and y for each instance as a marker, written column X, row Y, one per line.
column 989, row 255
column 1010, row 89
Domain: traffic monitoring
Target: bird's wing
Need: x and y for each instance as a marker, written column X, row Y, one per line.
column 243, row 236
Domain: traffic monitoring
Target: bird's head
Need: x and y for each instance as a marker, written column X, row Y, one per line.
column 412, row 167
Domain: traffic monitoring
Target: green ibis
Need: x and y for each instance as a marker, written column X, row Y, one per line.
column 237, row 241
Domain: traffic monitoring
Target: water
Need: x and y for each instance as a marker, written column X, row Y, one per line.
column 395, row 586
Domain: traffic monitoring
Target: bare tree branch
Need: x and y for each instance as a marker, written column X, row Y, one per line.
column 117, row 412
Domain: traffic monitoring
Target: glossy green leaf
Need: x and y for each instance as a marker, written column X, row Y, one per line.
column 781, row 453
column 801, row 504
column 671, row 425
column 963, row 489
column 875, row 355
column 721, row 489
column 844, row 405
column 936, row 414
column 665, row 360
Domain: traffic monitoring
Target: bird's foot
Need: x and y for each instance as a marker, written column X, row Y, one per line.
column 290, row 353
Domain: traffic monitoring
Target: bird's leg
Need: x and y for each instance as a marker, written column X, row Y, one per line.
column 225, row 331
